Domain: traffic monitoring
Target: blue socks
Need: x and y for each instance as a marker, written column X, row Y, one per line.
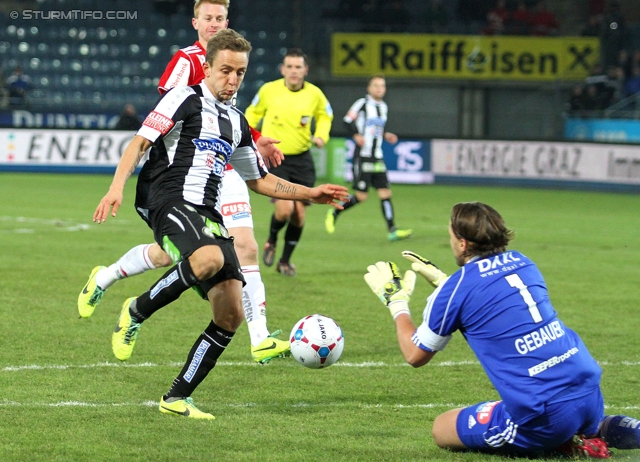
column 621, row 432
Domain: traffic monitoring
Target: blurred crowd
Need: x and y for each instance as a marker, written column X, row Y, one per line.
column 521, row 20
column 14, row 88
column 617, row 77
column 513, row 17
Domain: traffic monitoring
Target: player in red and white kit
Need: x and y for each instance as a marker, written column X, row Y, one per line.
column 185, row 68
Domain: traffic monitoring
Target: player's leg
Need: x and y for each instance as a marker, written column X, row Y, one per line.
column 225, row 294
column 137, row 260
column 291, row 238
column 264, row 346
column 196, row 247
column 381, row 183
column 620, row 432
column 237, row 217
column 281, row 213
column 490, row 427
column 444, row 431
column 361, row 182
column 301, row 171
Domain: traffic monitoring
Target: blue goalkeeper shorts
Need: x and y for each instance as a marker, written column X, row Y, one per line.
column 488, row 426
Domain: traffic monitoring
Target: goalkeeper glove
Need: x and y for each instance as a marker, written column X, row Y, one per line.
column 425, row 268
column 385, row 281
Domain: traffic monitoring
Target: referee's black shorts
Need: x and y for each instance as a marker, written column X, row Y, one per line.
column 297, row 168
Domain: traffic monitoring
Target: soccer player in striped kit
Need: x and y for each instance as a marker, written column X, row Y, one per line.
column 366, row 120
column 194, row 132
column 185, row 68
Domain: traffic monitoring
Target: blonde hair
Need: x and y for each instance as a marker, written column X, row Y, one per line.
column 198, row 3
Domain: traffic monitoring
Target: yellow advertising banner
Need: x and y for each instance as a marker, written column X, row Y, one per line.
column 463, row 56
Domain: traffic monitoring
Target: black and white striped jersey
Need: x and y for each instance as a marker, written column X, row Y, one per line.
column 194, row 137
column 368, row 118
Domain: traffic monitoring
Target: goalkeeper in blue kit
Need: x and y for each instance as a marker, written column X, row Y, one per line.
column 548, row 382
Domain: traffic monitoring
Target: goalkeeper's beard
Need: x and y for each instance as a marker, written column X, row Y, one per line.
column 461, row 260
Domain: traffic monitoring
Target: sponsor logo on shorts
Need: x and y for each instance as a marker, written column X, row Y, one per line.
column 472, row 422
column 158, row 122
column 197, row 359
column 484, row 411
column 236, row 208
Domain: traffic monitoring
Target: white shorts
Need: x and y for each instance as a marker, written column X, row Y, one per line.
column 234, row 201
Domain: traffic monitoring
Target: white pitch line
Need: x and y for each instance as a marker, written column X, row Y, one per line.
column 8, row 403
column 42, row 223
column 367, row 364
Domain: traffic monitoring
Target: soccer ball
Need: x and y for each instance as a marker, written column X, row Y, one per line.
column 316, row 341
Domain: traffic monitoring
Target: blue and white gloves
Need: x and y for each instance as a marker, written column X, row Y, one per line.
column 394, row 291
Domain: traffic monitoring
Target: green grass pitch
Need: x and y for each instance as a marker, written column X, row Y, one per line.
column 64, row 397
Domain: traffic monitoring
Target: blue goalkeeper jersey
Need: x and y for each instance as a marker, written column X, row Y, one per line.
column 501, row 306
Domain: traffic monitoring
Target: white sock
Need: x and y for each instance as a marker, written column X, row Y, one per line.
column 254, row 304
column 135, row 261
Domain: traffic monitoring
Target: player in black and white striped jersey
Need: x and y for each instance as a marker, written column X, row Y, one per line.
column 195, row 133
column 366, row 120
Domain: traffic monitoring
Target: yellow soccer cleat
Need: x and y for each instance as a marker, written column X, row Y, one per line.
column 399, row 234
column 183, row 407
column 330, row 222
column 91, row 295
column 270, row 348
column 125, row 334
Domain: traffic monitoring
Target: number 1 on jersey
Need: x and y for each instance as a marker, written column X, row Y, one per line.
column 515, row 281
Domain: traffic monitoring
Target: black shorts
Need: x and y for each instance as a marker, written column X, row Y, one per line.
column 298, row 168
column 180, row 229
column 143, row 186
column 367, row 174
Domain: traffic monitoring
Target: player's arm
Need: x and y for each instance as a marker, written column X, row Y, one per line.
column 390, row 137
column 350, row 121
column 324, row 118
column 273, row 186
column 413, row 354
column 128, row 162
column 176, row 74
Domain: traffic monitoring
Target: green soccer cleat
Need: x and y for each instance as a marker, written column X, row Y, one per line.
column 399, row 234
column 91, row 294
column 270, row 348
column 125, row 334
column 330, row 222
column 185, row 408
